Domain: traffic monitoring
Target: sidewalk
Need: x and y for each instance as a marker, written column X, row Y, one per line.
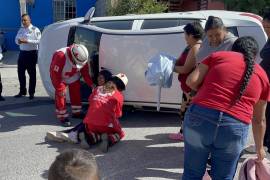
column 8, row 70
column 10, row 59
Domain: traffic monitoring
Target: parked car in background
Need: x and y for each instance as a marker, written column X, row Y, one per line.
column 126, row 43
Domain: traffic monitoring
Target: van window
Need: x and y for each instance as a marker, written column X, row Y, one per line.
column 117, row 25
column 233, row 30
column 164, row 23
column 91, row 40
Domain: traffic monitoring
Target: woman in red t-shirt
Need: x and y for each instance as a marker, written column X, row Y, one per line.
column 184, row 65
column 101, row 124
column 232, row 92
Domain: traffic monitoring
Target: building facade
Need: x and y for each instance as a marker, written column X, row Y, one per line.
column 42, row 13
column 192, row 5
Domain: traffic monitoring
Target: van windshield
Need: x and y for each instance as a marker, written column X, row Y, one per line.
column 165, row 23
column 116, row 25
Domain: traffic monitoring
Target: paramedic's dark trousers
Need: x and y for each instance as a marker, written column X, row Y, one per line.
column 27, row 62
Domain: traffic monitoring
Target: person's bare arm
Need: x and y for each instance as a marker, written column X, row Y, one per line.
column 195, row 79
column 190, row 61
column 258, row 127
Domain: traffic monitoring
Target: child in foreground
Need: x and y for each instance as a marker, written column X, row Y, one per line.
column 74, row 164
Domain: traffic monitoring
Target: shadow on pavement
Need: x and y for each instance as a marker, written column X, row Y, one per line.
column 10, row 58
column 16, row 113
column 133, row 119
column 155, row 157
column 12, row 103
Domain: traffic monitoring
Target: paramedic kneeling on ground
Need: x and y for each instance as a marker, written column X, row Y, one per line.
column 233, row 92
column 66, row 66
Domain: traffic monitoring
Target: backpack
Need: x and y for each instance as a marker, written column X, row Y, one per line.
column 252, row 170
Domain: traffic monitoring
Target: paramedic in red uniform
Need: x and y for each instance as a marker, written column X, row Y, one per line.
column 66, row 67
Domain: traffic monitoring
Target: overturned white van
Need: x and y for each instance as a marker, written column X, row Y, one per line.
column 126, row 43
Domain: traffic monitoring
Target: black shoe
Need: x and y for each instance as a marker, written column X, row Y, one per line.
column 20, row 95
column 31, row 97
column 66, row 123
column 104, row 144
column 2, row 99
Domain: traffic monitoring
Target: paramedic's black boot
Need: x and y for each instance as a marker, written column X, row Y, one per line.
column 66, row 122
column 104, row 144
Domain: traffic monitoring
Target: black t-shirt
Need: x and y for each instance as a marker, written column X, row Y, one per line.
column 265, row 55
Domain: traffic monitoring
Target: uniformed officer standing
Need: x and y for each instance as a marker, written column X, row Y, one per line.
column 27, row 38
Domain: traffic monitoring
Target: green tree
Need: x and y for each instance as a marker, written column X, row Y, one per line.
column 253, row 6
column 136, row 7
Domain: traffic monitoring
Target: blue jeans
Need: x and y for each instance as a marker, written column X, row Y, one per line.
column 208, row 131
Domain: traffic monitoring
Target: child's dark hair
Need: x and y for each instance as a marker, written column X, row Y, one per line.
column 119, row 83
column 74, row 164
column 249, row 47
column 195, row 29
column 213, row 23
column 113, row 83
column 106, row 74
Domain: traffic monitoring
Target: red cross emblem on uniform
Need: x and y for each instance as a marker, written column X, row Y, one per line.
column 76, row 55
column 56, row 68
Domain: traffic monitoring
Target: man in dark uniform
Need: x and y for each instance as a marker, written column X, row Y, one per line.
column 27, row 38
column 265, row 63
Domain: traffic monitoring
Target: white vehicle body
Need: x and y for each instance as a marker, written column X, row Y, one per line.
column 126, row 43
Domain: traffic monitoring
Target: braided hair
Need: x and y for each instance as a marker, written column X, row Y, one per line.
column 248, row 46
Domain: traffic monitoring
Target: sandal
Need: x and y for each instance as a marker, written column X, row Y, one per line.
column 176, row 136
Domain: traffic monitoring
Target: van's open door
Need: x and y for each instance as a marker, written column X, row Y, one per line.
column 91, row 40
column 90, row 13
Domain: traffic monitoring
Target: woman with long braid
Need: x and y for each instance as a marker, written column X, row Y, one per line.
column 232, row 93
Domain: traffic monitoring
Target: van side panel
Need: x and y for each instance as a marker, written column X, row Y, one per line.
column 256, row 32
column 130, row 54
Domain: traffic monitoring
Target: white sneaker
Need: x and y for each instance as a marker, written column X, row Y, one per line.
column 69, row 137
column 54, row 136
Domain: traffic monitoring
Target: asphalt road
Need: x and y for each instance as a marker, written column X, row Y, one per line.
column 145, row 153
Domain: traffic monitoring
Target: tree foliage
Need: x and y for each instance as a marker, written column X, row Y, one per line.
column 253, row 6
column 136, row 7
